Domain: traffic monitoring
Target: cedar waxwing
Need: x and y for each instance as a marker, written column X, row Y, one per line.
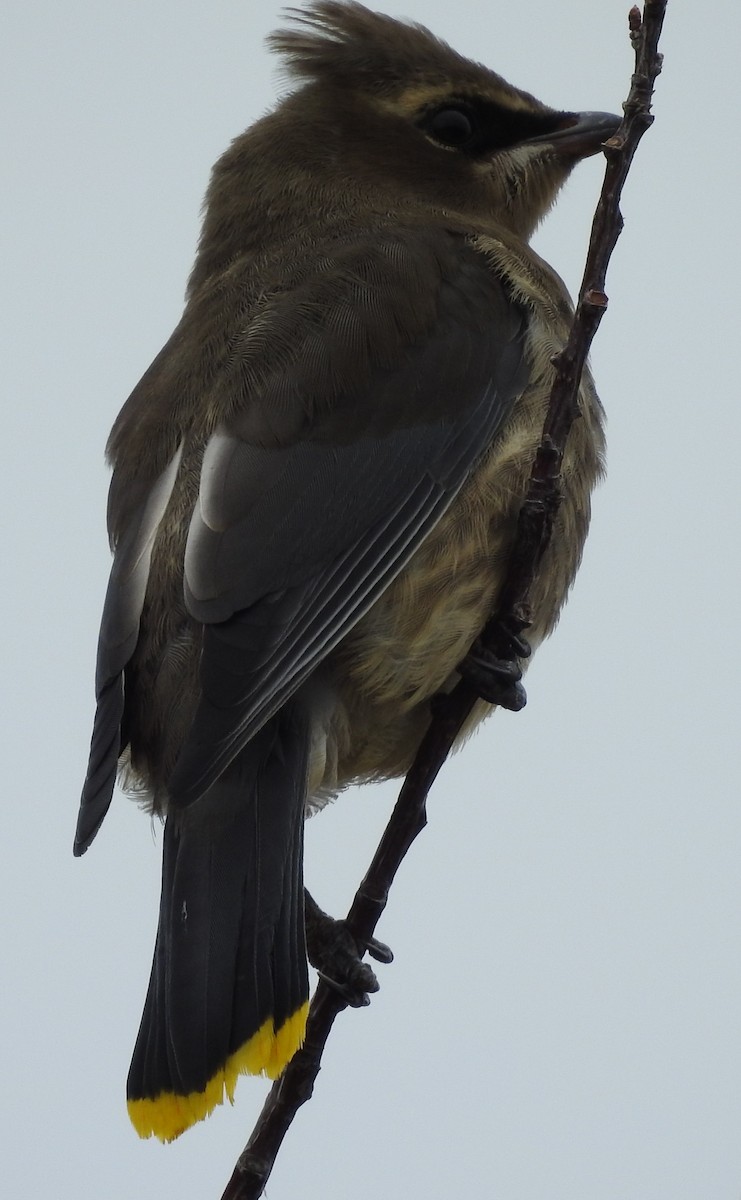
column 315, row 487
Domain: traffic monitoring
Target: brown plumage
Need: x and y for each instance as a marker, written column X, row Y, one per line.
column 314, row 494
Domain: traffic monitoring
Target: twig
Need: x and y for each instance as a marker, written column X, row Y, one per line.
column 535, row 522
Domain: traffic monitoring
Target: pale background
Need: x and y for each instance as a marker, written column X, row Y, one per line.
column 563, row 1019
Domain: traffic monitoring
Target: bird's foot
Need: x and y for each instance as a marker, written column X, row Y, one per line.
column 337, row 955
column 496, row 674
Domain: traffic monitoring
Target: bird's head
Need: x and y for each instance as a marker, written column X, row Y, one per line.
column 393, row 103
column 386, row 116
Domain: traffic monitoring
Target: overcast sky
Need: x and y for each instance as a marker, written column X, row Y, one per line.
column 563, row 1018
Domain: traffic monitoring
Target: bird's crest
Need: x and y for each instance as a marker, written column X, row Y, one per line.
column 353, row 46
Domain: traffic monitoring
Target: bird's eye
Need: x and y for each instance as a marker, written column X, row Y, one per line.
column 451, row 126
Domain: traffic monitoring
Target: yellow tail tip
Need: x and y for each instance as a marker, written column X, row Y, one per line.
column 267, row 1052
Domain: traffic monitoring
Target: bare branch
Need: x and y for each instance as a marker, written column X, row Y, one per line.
column 536, row 518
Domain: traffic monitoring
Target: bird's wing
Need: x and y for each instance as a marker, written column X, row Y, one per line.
column 308, row 506
column 119, row 633
column 290, row 544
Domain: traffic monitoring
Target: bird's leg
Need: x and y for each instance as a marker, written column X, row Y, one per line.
column 493, row 667
column 337, row 955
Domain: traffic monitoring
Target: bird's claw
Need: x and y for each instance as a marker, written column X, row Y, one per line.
column 337, row 954
column 379, row 950
column 497, row 676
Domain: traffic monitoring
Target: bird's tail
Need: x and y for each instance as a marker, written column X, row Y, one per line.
column 228, row 993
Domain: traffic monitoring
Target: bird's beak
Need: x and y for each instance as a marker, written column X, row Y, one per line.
column 580, row 134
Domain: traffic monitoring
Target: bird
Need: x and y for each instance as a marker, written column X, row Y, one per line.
column 314, row 493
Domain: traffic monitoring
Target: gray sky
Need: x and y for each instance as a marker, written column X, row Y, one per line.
column 563, row 1019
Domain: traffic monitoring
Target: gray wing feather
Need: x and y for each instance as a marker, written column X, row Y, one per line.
column 119, row 631
column 290, row 546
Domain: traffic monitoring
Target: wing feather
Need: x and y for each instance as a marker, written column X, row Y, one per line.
column 289, row 546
